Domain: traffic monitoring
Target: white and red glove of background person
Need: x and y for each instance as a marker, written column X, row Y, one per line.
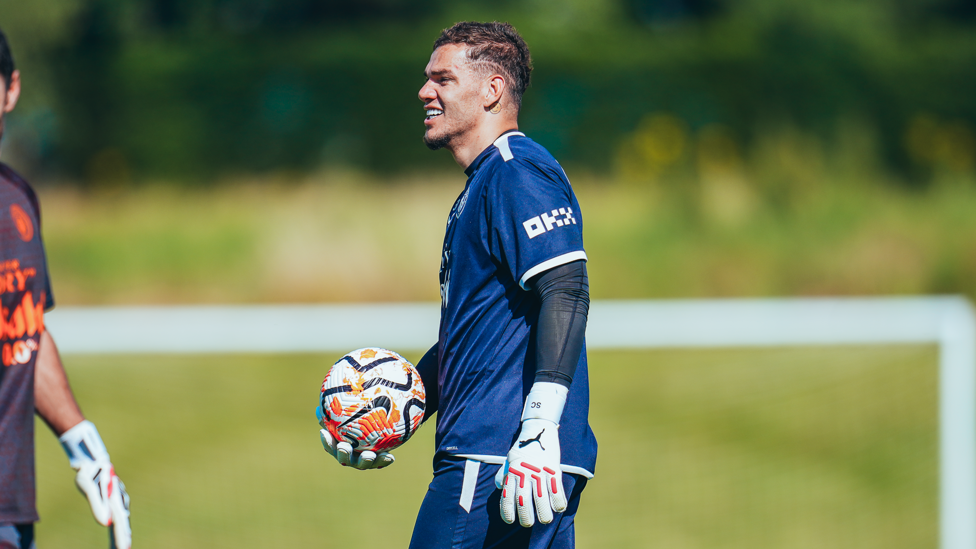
column 97, row 480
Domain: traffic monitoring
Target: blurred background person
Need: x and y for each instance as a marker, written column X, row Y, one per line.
column 32, row 378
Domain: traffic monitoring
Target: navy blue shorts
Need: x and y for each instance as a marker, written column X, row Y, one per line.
column 460, row 511
column 17, row 536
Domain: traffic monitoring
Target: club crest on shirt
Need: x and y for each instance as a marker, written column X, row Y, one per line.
column 545, row 222
column 458, row 208
column 23, row 222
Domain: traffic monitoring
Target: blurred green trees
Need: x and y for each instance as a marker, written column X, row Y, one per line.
column 118, row 91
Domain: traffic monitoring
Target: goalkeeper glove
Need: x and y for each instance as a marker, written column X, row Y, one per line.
column 343, row 451
column 531, row 479
column 96, row 479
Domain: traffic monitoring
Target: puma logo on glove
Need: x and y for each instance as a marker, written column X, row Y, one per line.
column 524, row 443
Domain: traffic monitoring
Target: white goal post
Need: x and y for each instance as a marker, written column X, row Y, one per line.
column 948, row 322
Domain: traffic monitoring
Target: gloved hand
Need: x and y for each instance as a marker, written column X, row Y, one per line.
column 531, row 479
column 344, row 453
column 96, row 479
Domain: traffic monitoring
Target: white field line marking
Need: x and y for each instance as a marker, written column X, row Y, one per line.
column 413, row 326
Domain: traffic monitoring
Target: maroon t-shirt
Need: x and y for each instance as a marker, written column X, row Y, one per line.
column 25, row 293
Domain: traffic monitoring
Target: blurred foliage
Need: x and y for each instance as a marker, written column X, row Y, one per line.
column 118, row 91
column 786, row 220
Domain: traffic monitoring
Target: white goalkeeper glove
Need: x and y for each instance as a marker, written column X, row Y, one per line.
column 343, row 451
column 97, row 480
column 531, row 479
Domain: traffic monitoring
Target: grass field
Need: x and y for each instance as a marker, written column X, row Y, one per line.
column 791, row 447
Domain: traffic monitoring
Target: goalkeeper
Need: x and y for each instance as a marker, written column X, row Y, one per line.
column 508, row 375
column 32, row 378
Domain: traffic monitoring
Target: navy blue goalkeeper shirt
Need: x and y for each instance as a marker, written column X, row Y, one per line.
column 517, row 217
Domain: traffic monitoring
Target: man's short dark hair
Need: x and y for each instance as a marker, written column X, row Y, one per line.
column 499, row 46
column 6, row 60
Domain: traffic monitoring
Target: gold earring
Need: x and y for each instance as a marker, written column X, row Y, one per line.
column 496, row 108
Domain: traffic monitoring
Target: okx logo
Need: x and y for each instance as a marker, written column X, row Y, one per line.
column 545, row 222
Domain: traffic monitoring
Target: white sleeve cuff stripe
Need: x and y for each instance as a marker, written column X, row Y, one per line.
column 551, row 263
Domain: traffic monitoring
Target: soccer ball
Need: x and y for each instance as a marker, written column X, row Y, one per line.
column 372, row 398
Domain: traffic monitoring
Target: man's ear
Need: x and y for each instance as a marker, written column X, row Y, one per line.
column 13, row 92
column 495, row 90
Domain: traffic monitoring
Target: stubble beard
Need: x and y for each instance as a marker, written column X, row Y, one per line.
column 453, row 131
column 448, row 136
column 436, row 143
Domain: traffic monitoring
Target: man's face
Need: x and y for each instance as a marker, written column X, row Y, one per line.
column 452, row 97
column 9, row 93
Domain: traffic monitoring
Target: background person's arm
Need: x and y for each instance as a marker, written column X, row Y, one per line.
column 53, row 400
column 96, row 478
